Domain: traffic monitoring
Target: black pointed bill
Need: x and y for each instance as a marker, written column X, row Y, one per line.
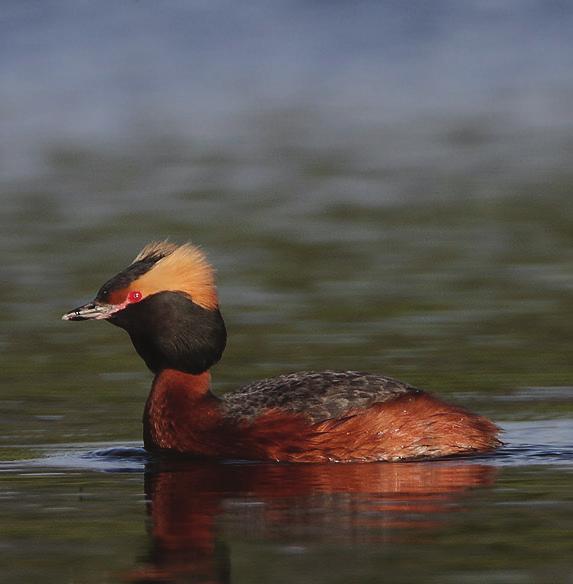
column 92, row 311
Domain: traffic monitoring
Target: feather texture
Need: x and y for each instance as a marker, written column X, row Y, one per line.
column 319, row 396
column 180, row 268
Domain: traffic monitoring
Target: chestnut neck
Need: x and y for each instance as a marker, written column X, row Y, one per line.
column 181, row 412
column 194, row 385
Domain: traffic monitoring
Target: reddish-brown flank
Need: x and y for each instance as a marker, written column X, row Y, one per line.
column 182, row 415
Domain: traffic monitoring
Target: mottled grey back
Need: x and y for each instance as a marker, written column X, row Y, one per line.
column 320, row 395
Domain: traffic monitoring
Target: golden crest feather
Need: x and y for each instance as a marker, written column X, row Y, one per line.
column 181, row 268
column 156, row 248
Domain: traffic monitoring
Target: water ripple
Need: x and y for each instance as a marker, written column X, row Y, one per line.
column 546, row 442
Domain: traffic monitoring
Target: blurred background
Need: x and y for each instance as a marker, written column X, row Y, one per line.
column 382, row 186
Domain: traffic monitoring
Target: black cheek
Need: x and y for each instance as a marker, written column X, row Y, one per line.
column 168, row 330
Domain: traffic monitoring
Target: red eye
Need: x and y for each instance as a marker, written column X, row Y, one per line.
column 135, row 296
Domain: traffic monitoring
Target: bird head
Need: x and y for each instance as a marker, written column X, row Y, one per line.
column 166, row 299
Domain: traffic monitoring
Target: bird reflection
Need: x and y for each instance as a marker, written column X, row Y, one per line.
column 194, row 506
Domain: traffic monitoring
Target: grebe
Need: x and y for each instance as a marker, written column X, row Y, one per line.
column 166, row 300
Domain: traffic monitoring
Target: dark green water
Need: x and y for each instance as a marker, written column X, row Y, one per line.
column 380, row 189
column 469, row 299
